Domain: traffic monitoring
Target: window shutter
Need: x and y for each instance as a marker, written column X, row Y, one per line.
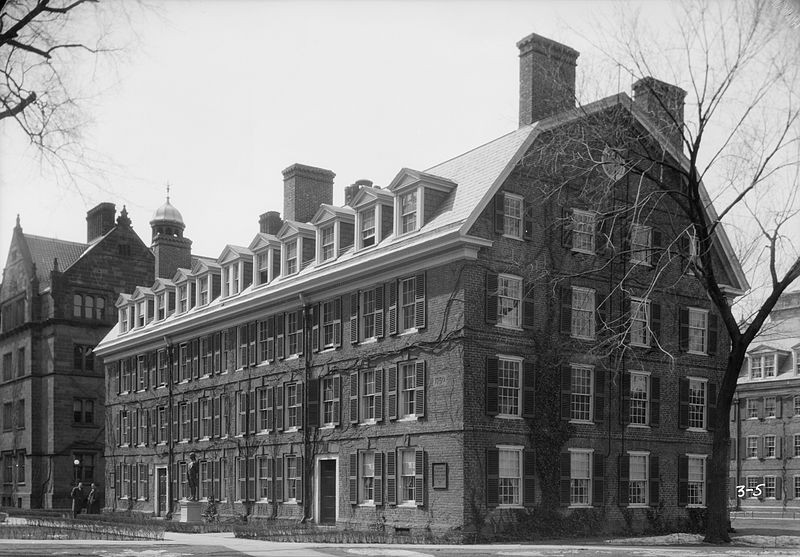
column 655, row 323
column 270, row 480
column 354, row 397
column 779, row 406
column 353, row 478
column 270, row 408
column 683, row 403
column 280, row 337
column 564, row 481
column 565, row 303
column 301, row 408
column 252, row 426
column 337, row 400
column 419, row 477
column 316, row 316
column 625, row 411
column 566, row 227
column 419, row 395
column 624, row 478
column 654, row 481
column 529, row 473
column 195, row 419
column 492, row 477
column 527, row 221
column 499, row 213
column 279, row 408
column 379, row 311
column 377, row 496
column 313, row 403
column 153, row 426
column 600, row 312
column 655, row 401
column 194, row 349
column 566, row 392
column 252, row 342
column 391, row 393
column 391, row 478
column 598, row 479
column 118, row 481
column 778, row 486
column 491, row 385
column 712, row 406
column 299, row 483
column 491, row 298
column 527, row 306
column 392, row 317
column 713, row 334
column 279, row 477
column 354, row 317
column 301, row 323
column 175, row 423
column 337, row 322
column 778, row 446
column 656, row 245
column 599, row 395
column 683, row 329
column 419, row 301
column 378, row 395
column 683, row 480
column 528, row 389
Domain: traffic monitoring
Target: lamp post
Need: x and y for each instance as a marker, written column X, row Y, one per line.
column 76, row 463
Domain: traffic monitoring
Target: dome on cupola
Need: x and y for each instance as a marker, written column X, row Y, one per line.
column 167, row 220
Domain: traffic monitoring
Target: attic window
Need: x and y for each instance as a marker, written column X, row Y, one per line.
column 327, row 243
column 367, row 227
column 408, row 212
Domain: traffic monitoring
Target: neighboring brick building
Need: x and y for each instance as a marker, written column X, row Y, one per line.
column 765, row 418
column 438, row 351
column 56, row 303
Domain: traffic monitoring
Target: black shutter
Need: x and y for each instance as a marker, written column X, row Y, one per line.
column 528, row 389
column 270, row 408
column 712, row 406
column 499, row 213
column 683, row 403
column 379, row 311
column 354, row 397
column 491, row 385
column 683, row 480
column 566, row 228
column 565, row 476
column 354, row 317
column 683, row 329
column 313, row 402
column 419, row 301
column 419, row 391
column 625, row 410
column 491, row 298
column 391, row 392
column 655, row 482
column 279, row 408
column 655, row 323
column 624, row 479
column 419, row 477
column 527, row 305
column 391, row 478
column 316, row 315
column 598, row 480
column 529, row 473
column 280, row 337
column 377, row 496
column 527, row 221
column 378, row 396
column 492, row 477
column 337, row 322
column 656, row 245
column 713, row 333
column 599, row 395
column 279, row 478
column 655, row 401
column 392, row 317
column 566, row 392
column 565, row 304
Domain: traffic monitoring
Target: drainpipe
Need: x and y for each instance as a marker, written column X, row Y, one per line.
column 170, row 418
column 737, row 417
column 307, row 461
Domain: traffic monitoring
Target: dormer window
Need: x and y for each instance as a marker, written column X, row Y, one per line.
column 327, row 243
column 268, row 264
column 123, row 319
column 140, row 313
column 161, row 306
column 408, row 212
column 202, row 294
column 367, row 227
column 262, row 268
column 762, row 366
column 183, row 298
column 291, row 257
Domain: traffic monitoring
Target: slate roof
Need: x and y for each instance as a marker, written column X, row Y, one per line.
column 44, row 250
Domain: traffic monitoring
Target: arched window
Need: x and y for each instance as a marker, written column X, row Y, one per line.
column 88, row 308
column 77, row 305
column 100, row 307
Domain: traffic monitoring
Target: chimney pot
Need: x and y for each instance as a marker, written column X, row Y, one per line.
column 305, row 188
column 270, row 222
column 546, row 78
column 99, row 220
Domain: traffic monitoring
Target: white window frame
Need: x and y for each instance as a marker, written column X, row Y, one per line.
column 645, row 481
column 695, row 406
column 513, row 216
column 698, row 331
column 407, row 395
column 640, row 306
column 584, row 230
column 698, row 484
column 291, row 265
column 331, row 246
column 407, row 300
column 403, row 225
column 291, row 481
column 796, row 452
column 362, row 228
column 406, row 478
column 797, row 487
column 509, row 396
column 366, row 477
column 183, row 298
column 328, row 330
column 646, row 400
column 513, row 483
column 751, row 446
column 368, row 301
column 328, row 404
column 578, row 400
column 203, row 289
column 580, row 485
column 263, row 264
column 367, row 395
column 774, row 403
column 751, row 409
column 583, row 318
column 770, row 442
column 293, row 403
column 641, row 244
column 774, row 487
column 509, row 301
column 123, row 319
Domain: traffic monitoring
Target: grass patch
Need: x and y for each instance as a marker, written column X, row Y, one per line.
column 291, row 531
column 67, row 529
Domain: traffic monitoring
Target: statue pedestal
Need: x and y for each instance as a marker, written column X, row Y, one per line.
column 191, row 511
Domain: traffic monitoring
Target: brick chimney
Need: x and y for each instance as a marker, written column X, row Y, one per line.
column 99, row 220
column 270, row 222
column 664, row 103
column 305, row 188
column 351, row 191
column 546, row 78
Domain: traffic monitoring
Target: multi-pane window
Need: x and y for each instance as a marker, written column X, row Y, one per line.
column 291, row 257
column 83, row 357
column 509, row 386
column 186, row 421
column 329, row 323
column 698, row 330
column 512, row 216
column 697, row 403
column 640, row 322
column 328, row 401
column 769, row 365
column 637, row 482
column 203, row 290
column 144, row 484
column 163, row 424
column 293, row 404
column 583, row 300
column 769, row 487
column 161, row 306
column 408, row 298
column 21, row 361
column 752, row 408
column 510, row 476
column 124, row 428
column 264, row 478
column 641, row 243
column 368, row 308
column 246, row 476
column 769, row 446
column 367, row 487
column 88, row 307
column 640, row 398
column 205, row 418
column 580, row 478
column 796, row 405
column 294, row 331
column 292, row 477
column 583, row 231
column 408, row 472
column 141, row 313
column 8, row 416
column 242, row 410
column 263, row 409
column 696, row 494
column 262, row 267
column 796, row 444
column 762, row 365
column 183, row 298
column 797, row 487
column 123, row 319
column 509, row 301
column 266, row 341
column 83, row 411
column 8, row 366
column 408, row 212
column 752, row 447
column 368, row 398
column 581, row 393
column 327, row 247
column 408, row 384
column 769, row 407
column 367, row 227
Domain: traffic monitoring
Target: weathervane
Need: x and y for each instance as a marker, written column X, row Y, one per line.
column 167, row 191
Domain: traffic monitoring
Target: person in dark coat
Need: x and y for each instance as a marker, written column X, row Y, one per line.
column 93, row 500
column 77, row 499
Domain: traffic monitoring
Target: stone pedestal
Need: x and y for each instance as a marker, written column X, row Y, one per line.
column 191, row 511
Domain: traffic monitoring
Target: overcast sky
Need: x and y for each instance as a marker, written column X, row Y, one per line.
column 217, row 97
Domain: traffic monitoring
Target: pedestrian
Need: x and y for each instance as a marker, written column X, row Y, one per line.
column 93, row 500
column 77, row 499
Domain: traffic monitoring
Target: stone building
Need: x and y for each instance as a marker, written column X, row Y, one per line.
column 457, row 345
column 765, row 418
column 56, row 303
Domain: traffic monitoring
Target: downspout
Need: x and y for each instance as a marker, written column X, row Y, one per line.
column 737, row 417
column 170, row 421
column 307, row 461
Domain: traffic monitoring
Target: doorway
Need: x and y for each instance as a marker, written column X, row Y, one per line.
column 161, row 496
column 327, row 491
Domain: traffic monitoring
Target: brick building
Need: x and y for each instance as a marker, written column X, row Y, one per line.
column 56, row 303
column 765, row 418
column 462, row 343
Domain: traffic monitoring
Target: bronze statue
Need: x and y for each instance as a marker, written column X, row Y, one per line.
column 192, row 474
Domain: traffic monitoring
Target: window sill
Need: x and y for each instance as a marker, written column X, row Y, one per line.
column 697, row 429
column 408, row 332
column 639, row 506
column 292, row 357
column 582, row 422
column 293, row 429
column 640, row 345
column 370, row 340
column 581, row 506
column 407, row 505
column 328, row 349
column 511, row 236
column 367, row 504
column 183, row 442
column 510, row 507
column 696, row 506
column 697, row 353
column 508, row 417
column 509, row 327
column 583, row 251
column 327, row 426
column 371, row 421
column 639, row 426
column 576, row 337
column 408, row 419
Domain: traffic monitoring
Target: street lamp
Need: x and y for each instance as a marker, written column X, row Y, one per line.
column 76, row 463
